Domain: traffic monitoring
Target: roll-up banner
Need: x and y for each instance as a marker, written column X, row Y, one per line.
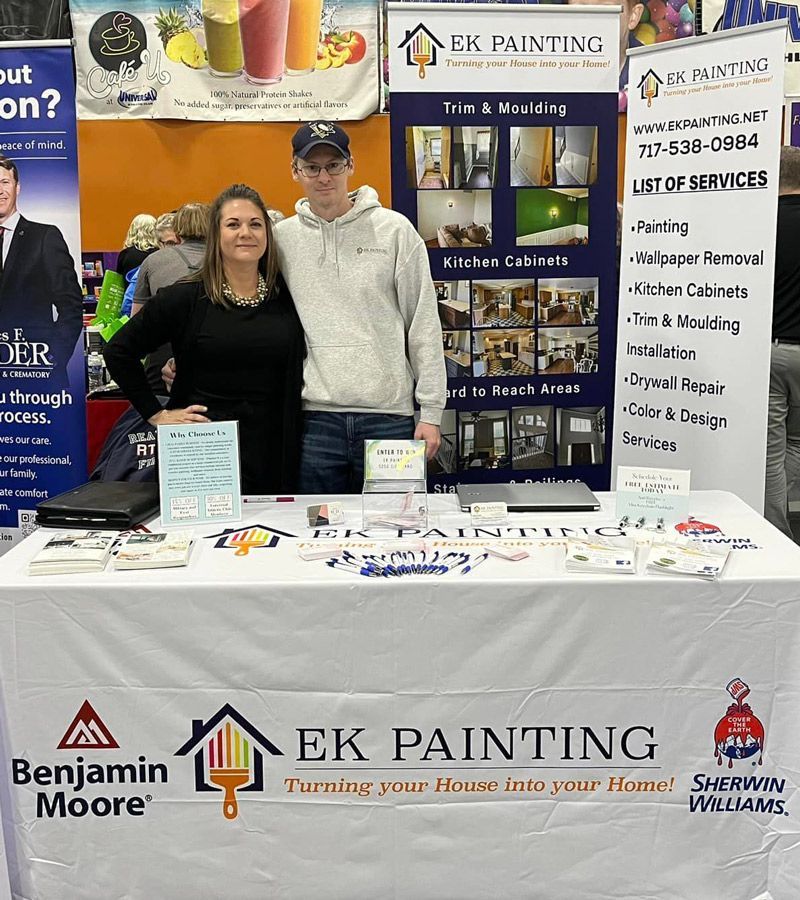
column 42, row 373
column 504, row 155
column 698, row 249
column 227, row 60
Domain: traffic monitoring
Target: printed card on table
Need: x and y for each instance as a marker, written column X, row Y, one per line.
column 199, row 475
column 653, row 494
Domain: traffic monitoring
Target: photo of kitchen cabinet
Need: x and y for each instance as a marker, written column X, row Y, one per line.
column 503, row 303
column 457, row 353
column 567, row 301
column 567, row 351
column 452, row 300
column 503, row 352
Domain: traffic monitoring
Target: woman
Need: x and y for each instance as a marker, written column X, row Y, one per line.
column 238, row 345
column 140, row 242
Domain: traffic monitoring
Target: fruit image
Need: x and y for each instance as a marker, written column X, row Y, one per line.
column 180, row 44
column 330, row 57
column 352, row 41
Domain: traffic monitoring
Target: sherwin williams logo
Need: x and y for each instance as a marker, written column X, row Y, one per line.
column 695, row 528
column 739, row 734
column 648, row 86
column 87, row 731
column 421, row 47
column 228, row 756
column 68, row 782
column 243, row 540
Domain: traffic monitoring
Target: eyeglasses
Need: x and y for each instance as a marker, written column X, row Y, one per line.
column 332, row 168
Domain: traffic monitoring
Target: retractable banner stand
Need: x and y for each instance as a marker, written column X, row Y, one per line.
column 42, row 374
column 504, row 156
column 698, row 249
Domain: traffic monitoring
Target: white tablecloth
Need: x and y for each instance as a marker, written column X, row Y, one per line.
column 516, row 732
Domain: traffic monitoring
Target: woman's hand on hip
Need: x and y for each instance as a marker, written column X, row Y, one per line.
column 187, row 416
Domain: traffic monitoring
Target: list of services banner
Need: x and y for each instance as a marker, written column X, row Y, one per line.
column 697, row 258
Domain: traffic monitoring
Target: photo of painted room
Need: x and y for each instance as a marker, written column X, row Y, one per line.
column 457, row 356
column 503, row 352
column 581, row 436
column 483, row 441
column 567, row 351
column 576, row 155
column 444, row 463
column 555, row 217
column 568, row 301
column 474, row 156
column 504, row 303
column 428, row 157
column 455, row 220
column 531, row 157
column 533, row 437
column 452, row 301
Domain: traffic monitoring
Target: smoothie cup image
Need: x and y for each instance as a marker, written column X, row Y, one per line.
column 263, row 25
column 303, row 36
column 223, row 43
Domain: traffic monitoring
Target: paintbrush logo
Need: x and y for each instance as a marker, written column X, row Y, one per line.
column 421, row 47
column 251, row 537
column 228, row 756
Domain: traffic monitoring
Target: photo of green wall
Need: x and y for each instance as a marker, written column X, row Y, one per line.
column 552, row 216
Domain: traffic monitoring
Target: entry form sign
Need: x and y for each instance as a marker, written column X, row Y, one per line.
column 698, row 249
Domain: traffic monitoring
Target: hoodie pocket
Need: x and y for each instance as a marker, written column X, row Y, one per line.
column 347, row 375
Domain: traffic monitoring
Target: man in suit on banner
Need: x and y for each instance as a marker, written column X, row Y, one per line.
column 41, row 305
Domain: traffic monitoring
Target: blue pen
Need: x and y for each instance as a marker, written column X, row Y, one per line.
column 478, row 561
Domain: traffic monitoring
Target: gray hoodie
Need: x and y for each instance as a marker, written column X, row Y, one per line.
column 363, row 290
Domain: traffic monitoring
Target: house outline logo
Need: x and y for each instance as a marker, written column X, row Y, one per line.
column 421, row 46
column 87, row 731
column 247, row 538
column 234, row 750
column 739, row 734
column 649, row 84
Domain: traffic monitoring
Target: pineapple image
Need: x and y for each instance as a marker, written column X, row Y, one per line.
column 180, row 44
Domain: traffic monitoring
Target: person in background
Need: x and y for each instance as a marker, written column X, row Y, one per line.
column 168, row 265
column 360, row 277
column 238, row 345
column 165, row 230
column 140, row 242
column 39, row 289
column 783, row 415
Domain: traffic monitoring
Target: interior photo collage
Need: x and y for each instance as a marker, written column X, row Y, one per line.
column 522, row 438
column 454, row 168
column 495, row 328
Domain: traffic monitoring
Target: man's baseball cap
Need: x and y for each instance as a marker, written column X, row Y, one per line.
column 320, row 133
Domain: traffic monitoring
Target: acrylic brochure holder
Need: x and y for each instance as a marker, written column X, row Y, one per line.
column 395, row 493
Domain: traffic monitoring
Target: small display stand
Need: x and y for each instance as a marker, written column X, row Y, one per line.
column 395, row 491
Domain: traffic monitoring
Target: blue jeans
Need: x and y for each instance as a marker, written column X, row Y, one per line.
column 332, row 460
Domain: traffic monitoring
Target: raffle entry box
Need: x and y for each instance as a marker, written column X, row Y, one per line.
column 395, row 491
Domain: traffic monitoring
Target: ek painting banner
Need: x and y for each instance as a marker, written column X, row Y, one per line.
column 42, row 376
column 698, row 251
column 504, row 156
column 226, row 60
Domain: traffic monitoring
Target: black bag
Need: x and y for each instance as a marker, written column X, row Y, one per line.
column 116, row 505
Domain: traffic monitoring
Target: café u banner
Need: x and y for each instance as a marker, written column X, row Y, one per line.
column 226, row 60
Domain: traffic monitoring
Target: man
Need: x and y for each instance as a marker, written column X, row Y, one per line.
column 39, row 291
column 361, row 282
column 783, row 420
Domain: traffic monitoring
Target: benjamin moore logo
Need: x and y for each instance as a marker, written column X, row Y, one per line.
column 253, row 537
column 422, row 47
column 739, row 734
column 87, row 731
column 228, row 756
column 649, row 85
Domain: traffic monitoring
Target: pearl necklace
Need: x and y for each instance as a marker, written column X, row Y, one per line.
column 236, row 300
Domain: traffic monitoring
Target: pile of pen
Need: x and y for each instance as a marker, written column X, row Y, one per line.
column 406, row 562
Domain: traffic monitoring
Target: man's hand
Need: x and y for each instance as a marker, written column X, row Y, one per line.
column 432, row 437
column 168, row 372
column 187, row 416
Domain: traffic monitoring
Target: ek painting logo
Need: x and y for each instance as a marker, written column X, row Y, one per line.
column 228, row 756
column 648, row 86
column 421, row 47
column 252, row 537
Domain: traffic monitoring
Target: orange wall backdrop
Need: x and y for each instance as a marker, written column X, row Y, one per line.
column 154, row 166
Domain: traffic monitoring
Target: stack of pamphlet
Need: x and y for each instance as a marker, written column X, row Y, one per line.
column 154, row 550
column 598, row 554
column 687, row 558
column 73, row 551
